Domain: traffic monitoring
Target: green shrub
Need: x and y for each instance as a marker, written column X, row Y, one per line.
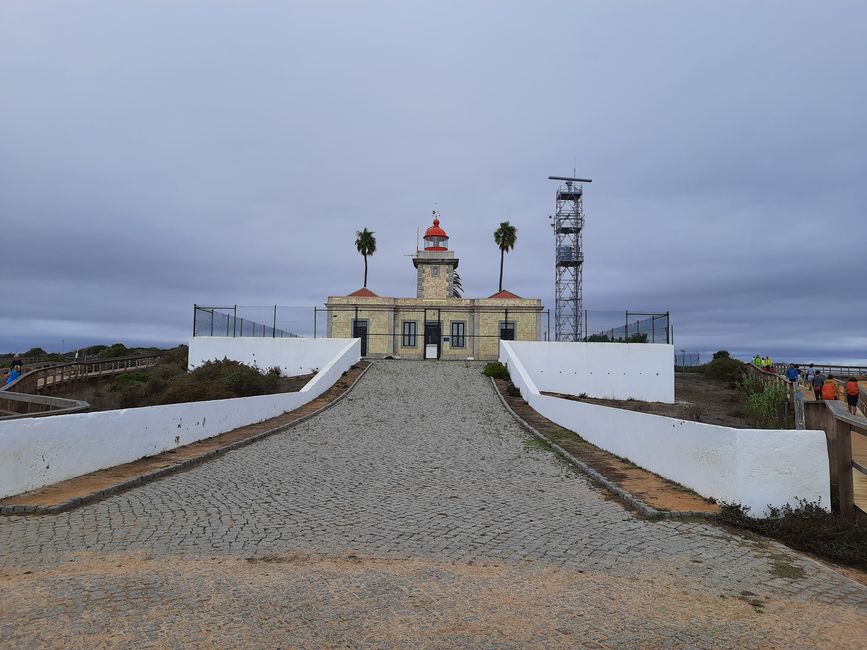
column 116, row 350
column 724, row 369
column 496, row 370
column 764, row 402
column 598, row 338
column 193, row 391
column 127, row 378
column 638, row 337
column 721, row 354
column 35, row 352
column 807, row 527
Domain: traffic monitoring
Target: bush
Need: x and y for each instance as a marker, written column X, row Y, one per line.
column 240, row 380
column 764, row 402
column 496, row 370
column 721, row 354
column 35, row 352
column 116, row 350
column 724, row 369
column 126, row 379
column 638, row 337
column 807, row 527
column 598, row 338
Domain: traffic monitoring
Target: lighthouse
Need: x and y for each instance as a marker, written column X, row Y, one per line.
column 435, row 265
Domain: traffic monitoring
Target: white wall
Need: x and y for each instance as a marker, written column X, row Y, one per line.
column 643, row 371
column 755, row 467
column 294, row 356
column 40, row 451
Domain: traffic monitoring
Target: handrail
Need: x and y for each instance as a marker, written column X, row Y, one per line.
column 826, row 367
column 41, row 378
column 20, row 398
column 793, row 392
column 838, row 424
column 13, row 403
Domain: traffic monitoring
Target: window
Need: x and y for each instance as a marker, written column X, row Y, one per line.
column 410, row 329
column 459, row 330
column 507, row 330
column 435, row 271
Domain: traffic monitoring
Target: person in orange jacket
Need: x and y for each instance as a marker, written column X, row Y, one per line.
column 829, row 389
column 852, row 391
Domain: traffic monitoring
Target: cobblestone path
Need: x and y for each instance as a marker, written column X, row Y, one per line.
column 415, row 512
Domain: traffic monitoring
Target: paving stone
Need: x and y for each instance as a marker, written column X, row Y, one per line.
column 419, row 461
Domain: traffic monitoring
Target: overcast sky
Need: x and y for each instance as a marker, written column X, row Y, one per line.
column 154, row 155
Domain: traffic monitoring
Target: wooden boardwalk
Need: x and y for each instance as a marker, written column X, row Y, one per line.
column 859, row 454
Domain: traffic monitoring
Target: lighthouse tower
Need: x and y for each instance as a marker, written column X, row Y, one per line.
column 435, row 264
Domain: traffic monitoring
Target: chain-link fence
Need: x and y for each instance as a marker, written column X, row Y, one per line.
column 684, row 360
column 480, row 322
column 241, row 321
column 627, row 327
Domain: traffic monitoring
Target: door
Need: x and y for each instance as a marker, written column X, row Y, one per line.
column 507, row 331
column 359, row 331
column 432, row 339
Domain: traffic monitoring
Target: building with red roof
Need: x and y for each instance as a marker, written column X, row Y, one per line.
column 438, row 323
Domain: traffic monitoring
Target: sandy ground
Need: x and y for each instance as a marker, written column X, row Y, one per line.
column 355, row 601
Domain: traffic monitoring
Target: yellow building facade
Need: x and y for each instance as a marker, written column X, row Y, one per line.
column 434, row 324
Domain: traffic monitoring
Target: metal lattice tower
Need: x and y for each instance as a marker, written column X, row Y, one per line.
column 569, row 259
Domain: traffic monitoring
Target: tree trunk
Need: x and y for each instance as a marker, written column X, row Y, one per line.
column 365, row 271
column 502, row 252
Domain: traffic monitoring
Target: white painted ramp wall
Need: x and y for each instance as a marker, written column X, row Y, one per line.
column 643, row 371
column 753, row 467
column 35, row 452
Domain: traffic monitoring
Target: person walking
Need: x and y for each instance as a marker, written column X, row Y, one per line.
column 14, row 371
column 792, row 374
column 757, row 362
column 817, row 383
column 852, row 393
column 829, row 389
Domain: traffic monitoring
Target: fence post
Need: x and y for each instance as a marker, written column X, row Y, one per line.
column 843, row 453
column 195, row 313
column 212, row 322
column 274, row 329
column 314, row 322
column 626, row 329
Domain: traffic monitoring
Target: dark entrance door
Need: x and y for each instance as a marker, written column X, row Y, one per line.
column 432, row 340
column 507, row 331
column 359, row 331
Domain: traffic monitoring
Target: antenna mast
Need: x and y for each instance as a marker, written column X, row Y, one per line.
column 569, row 259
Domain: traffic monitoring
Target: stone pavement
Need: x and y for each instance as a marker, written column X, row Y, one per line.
column 415, row 512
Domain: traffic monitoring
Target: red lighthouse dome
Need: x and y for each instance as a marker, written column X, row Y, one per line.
column 435, row 238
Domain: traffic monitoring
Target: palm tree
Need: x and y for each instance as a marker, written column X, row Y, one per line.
column 505, row 236
column 365, row 242
column 457, row 287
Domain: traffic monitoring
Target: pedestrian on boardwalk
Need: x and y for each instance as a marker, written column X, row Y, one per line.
column 808, row 375
column 829, row 389
column 852, row 391
column 14, row 371
column 817, row 383
column 757, row 362
column 792, row 374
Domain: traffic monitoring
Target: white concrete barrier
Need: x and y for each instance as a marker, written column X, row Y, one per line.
column 294, row 356
column 754, row 467
column 40, row 451
column 643, row 371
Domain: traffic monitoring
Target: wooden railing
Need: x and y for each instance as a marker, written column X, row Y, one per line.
column 43, row 379
column 25, row 397
column 19, row 405
column 839, row 425
column 795, row 403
